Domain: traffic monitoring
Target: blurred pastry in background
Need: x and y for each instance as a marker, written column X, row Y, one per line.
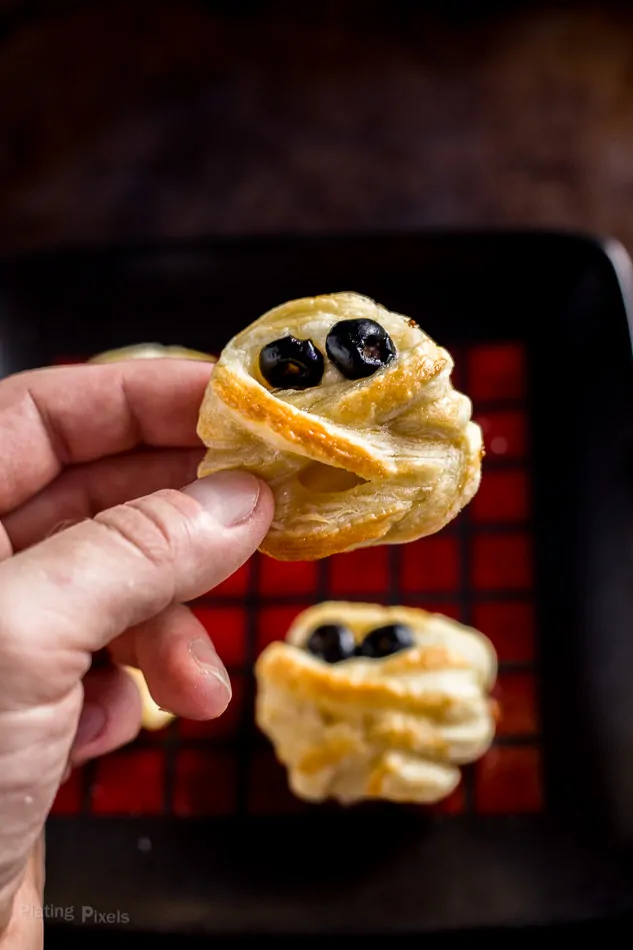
column 149, row 351
column 153, row 717
column 348, row 411
column 365, row 702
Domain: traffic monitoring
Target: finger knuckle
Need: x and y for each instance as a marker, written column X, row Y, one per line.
column 147, row 525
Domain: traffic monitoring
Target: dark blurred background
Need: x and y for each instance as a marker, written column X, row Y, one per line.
column 125, row 120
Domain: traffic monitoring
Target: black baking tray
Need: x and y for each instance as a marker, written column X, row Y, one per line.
column 567, row 298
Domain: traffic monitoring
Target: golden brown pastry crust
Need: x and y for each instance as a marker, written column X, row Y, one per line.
column 396, row 728
column 381, row 460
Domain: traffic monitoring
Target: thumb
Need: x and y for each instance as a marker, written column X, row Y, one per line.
column 68, row 596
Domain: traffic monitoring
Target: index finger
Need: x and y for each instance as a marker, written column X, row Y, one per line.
column 53, row 418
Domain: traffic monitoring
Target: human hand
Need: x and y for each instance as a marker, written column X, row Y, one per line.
column 78, row 443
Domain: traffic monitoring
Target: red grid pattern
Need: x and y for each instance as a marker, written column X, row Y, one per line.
column 478, row 570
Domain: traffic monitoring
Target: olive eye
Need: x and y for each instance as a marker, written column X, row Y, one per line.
column 331, row 642
column 383, row 641
column 291, row 364
column 359, row 347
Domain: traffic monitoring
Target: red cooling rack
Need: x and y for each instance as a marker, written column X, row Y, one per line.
column 478, row 570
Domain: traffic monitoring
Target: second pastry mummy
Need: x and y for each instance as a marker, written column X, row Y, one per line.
column 368, row 702
column 348, row 412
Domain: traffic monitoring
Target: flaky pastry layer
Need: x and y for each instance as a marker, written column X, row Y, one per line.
column 397, row 728
column 381, row 460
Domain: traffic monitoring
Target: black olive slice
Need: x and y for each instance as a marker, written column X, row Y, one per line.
column 383, row 641
column 358, row 348
column 289, row 363
column 331, row 642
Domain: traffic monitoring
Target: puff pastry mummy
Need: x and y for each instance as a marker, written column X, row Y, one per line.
column 357, row 427
column 368, row 702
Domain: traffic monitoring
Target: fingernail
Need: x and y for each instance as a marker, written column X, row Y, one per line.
column 91, row 723
column 230, row 497
column 206, row 657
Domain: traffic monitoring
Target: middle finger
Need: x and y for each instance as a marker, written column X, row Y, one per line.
column 183, row 671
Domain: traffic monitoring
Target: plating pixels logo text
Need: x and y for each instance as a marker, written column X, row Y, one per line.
column 85, row 914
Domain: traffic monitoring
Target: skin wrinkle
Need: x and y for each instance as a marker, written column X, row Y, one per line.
column 85, row 490
column 120, row 525
column 109, row 554
column 136, row 426
column 49, row 710
column 42, row 744
column 59, row 454
column 57, row 528
column 6, row 889
column 154, row 545
column 49, row 754
column 22, row 796
column 109, row 537
column 127, row 399
column 16, row 629
column 54, row 434
column 6, row 547
column 70, row 664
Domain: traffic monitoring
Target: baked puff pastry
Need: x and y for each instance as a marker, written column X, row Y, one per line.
column 348, row 412
column 153, row 717
column 150, row 351
column 368, row 702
